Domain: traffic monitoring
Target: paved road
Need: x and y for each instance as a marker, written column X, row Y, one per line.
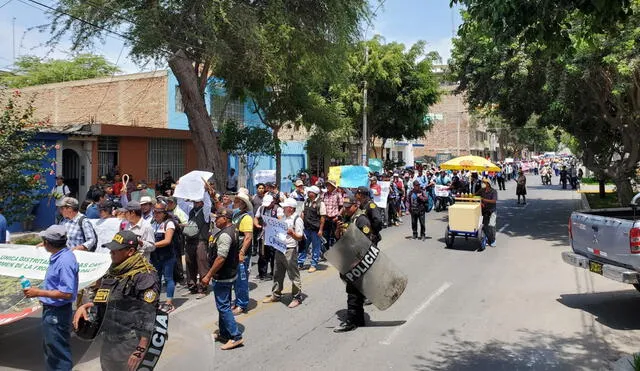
column 513, row 307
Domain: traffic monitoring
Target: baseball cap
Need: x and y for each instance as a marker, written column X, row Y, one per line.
column 69, row 202
column 267, row 201
column 349, row 200
column 55, row 233
column 104, row 177
column 290, row 202
column 270, row 184
column 121, row 240
column 363, row 190
column 313, row 189
column 133, row 206
column 299, row 183
column 145, row 200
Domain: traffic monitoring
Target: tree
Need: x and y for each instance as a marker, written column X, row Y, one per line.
column 21, row 159
column 31, row 70
column 232, row 39
column 246, row 142
column 401, row 87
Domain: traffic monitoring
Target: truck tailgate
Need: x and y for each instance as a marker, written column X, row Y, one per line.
column 603, row 238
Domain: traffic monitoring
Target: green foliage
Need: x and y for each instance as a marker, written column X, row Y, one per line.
column 21, row 180
column 400, row 84
column 245, row 141
column 610, row 200
column 636, row 362
column 32, row 70
column 29, row 239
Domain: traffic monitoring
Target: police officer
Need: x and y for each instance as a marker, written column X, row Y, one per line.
column 372, row 212
column 126, row 302
column 351, row 213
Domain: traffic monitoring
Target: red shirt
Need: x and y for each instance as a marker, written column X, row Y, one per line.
column 377, row 190
column 117, row 187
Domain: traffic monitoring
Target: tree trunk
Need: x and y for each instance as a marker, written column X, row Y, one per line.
column 601, row 187
column 382, row 151
column 276, row 140
column 625, row 191
column 210, row 156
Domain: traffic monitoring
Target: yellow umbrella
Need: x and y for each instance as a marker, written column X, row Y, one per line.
column 474, row 163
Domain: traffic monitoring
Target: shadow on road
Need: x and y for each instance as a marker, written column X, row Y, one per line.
column 533, row 351
column 617, row 310
column 342, row 316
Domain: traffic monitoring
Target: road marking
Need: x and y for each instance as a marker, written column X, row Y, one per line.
column 503, row 228
column 415, row 313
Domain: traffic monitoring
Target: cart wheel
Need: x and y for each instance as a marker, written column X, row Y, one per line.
column 448, row 238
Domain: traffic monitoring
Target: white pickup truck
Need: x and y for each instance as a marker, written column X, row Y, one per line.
column 607, row 242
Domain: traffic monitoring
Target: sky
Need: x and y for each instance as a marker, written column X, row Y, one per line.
column 405, row 21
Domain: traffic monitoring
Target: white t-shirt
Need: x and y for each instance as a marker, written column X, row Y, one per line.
column 59, row 192
column 298, row 228
column 279, row 212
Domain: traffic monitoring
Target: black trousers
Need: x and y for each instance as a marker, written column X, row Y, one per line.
column 355, row 305
column 266, row 257
column 501, row 185
column 329, row 233
column 178, row 269
column 393, row 211
column 415, row 218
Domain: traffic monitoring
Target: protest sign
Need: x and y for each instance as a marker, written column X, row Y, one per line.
column 275, row 233
column 191, row 185
column 381, row 200
column 349, row 176
column 264, row 176
column 375, row 164
column 32, row 262
column 105, row 230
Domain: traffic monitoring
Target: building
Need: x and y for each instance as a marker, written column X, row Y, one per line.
column 454, row 131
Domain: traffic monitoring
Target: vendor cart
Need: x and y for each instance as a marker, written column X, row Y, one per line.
column 465, row 220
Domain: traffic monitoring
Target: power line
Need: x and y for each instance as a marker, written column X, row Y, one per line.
column 7, row 2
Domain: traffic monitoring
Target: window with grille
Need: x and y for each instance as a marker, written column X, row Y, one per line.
column 165, row 154
column 179, row 105
column 225, row 109
column 107, row 155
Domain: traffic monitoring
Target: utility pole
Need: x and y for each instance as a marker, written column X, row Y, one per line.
column 14, row 40
column 364, row 110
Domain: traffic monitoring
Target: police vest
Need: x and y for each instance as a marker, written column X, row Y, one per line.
column 312, row 215
column 230, row 267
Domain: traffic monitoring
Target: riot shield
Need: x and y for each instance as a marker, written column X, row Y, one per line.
column 130, row 337
column 367, row 267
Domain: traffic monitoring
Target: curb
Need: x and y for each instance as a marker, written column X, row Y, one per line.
column 624, row 364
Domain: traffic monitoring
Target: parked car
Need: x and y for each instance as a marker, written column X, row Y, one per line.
column 607, row 242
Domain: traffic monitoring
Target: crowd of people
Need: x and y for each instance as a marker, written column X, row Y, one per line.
column 207, row 244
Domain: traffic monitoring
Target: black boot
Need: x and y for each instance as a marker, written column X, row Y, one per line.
column 345, row 327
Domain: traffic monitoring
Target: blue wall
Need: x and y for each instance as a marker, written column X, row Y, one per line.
column 44, row 215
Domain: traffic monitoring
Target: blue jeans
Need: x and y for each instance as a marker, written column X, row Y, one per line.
column 226, row 321
column 165, row 269
column 311, row 237
column 56, row 328
column 241, row 285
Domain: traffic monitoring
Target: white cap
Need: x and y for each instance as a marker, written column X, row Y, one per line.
column 267, row 200
column 290, row 202
column 145, row 200
column 314, row 189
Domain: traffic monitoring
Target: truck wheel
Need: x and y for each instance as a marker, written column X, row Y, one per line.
column 637, row 286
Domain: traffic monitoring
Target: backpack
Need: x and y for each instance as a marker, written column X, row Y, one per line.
column 191, row 230
column 82, row 218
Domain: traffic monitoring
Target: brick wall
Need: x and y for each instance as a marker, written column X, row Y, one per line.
column 130, row 100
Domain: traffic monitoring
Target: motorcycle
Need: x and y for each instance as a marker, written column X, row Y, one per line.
column 546, row 179
column 443, row 197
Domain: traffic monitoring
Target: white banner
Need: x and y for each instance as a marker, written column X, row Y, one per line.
column 381, row 200
column 275, row 233
column 32, row 262
column 105, row 230
column 191, row 186
column 264, row 176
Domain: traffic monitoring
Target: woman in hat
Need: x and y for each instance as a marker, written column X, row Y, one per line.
column 521, row 188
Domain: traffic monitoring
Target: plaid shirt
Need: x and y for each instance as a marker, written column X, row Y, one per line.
column 76, row 236
column 332, row 202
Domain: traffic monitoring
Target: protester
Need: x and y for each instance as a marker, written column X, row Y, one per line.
column 287, row 262
column 118, row 185
column 417, row 200
column 163, row 257
column 489, row 216
column 129, row 308
column 299, row 194
column 59, row 191
column 333, row 202
column 266, row 253
column 313, row 216
column 196, row 250
column 97, row 198
column 141, row 228
column 177, row 212
column 223, row 261
column 146, row 205
column 57, row 294
column 243, row 223
column 256, row 201
column 521, row 188
column 80, row 233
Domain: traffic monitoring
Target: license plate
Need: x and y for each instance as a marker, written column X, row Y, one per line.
column 595, row 267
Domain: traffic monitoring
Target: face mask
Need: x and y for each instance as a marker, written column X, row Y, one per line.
column 235, row 211
column 483, row 185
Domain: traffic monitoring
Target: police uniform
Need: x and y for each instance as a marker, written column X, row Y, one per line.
column 373, row 213
column 355, row 299
column 127, row 300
